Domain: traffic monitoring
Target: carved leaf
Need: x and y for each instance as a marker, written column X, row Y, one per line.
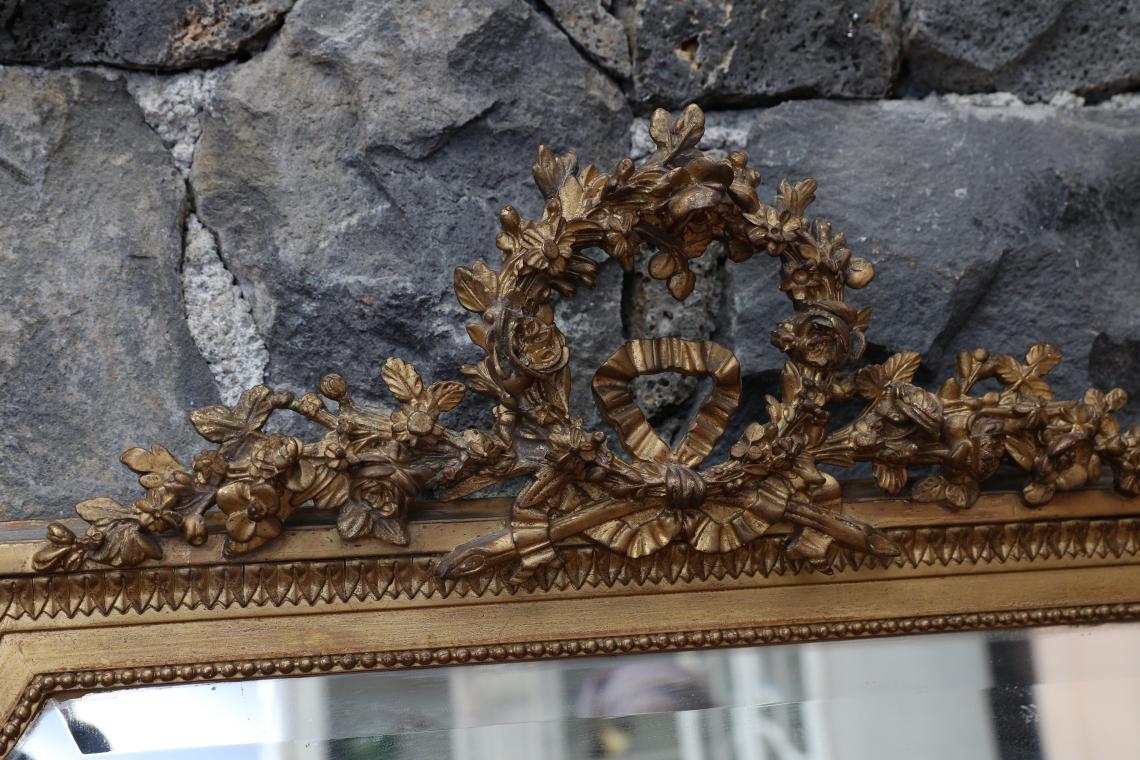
column 1036, row 386
column 550, row 171
column 125, row 544
column 354, row 521
column 222, row 423
column 53, row 557
column 774, row 407
column 479, row 335
column 1042, row 357
column 930, row 489
column 796, row 198
column 872, row 380
column 481, row 380
column 402, row 379
column 689, row 127
column 446, row 395
column 660, row 127
column 476, row 288
column 1036, row 494
column 103, row 511
column 674, row 135
column 791, row 382
column 153, row 466
column 1026, row 379
column 891, row 478
column 1021, row 450
column 966, row 366
column 900, row 368
column 572, row 198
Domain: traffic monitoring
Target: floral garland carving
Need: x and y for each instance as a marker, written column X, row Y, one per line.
column 371, row 464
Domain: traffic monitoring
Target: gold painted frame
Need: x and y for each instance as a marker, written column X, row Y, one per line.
column 596, row 553
column 319, row 604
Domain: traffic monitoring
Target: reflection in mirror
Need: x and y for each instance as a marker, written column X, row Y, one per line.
column 996, row 696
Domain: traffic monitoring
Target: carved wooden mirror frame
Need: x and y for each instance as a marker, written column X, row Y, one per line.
column 596, row 553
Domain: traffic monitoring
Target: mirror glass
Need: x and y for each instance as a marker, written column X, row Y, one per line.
column 1047, row 693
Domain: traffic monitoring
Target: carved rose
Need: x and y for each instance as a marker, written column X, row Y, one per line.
column 536, row 347
column 821, row 337
column 272, row 455
column 383, row 496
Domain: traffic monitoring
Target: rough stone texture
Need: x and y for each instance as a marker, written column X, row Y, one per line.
column 1115, row 362
column 339, row 175
column 988, row 226
column 168, row 34
column 594, row 27
column 752, row 53
column 219, row 317
column 348, row 169
column 173, row 107
column 94, row 351
column 651, row 312
column 1034, row 49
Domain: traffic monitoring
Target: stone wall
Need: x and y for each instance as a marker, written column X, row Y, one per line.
column 199, row 195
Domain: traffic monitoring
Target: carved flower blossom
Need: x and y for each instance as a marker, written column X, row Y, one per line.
column 572, row 445
column 1128, row 469
column 414, row 422
column 210, row 466
column 253, row 510
column 546, row 245
column 820, row 269
column 773, row 228
column 799, row 278
column 762, row 450
column 1070, row 459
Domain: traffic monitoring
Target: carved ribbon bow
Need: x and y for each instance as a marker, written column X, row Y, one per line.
column 638, row 507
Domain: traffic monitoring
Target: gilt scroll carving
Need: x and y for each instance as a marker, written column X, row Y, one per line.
column 372, row 463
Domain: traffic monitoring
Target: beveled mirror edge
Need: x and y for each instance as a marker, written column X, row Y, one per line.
column 321, row 605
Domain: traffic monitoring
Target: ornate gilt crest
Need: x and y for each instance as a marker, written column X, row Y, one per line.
column 371, row 464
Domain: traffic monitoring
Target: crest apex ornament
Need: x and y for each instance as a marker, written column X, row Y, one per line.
column 370, row 466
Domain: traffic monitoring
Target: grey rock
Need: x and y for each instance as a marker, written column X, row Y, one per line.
column 594, row 27
column 351, row 167
column 995, row 227
column 94, row 351
column 144, row 34
column 1114, row 362
column 1033, row 49
column 752, row 53
column 669, row 399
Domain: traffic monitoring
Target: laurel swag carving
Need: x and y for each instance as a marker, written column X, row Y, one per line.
column 371, row 464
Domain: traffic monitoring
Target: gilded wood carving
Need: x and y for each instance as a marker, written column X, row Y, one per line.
column 371, row 464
